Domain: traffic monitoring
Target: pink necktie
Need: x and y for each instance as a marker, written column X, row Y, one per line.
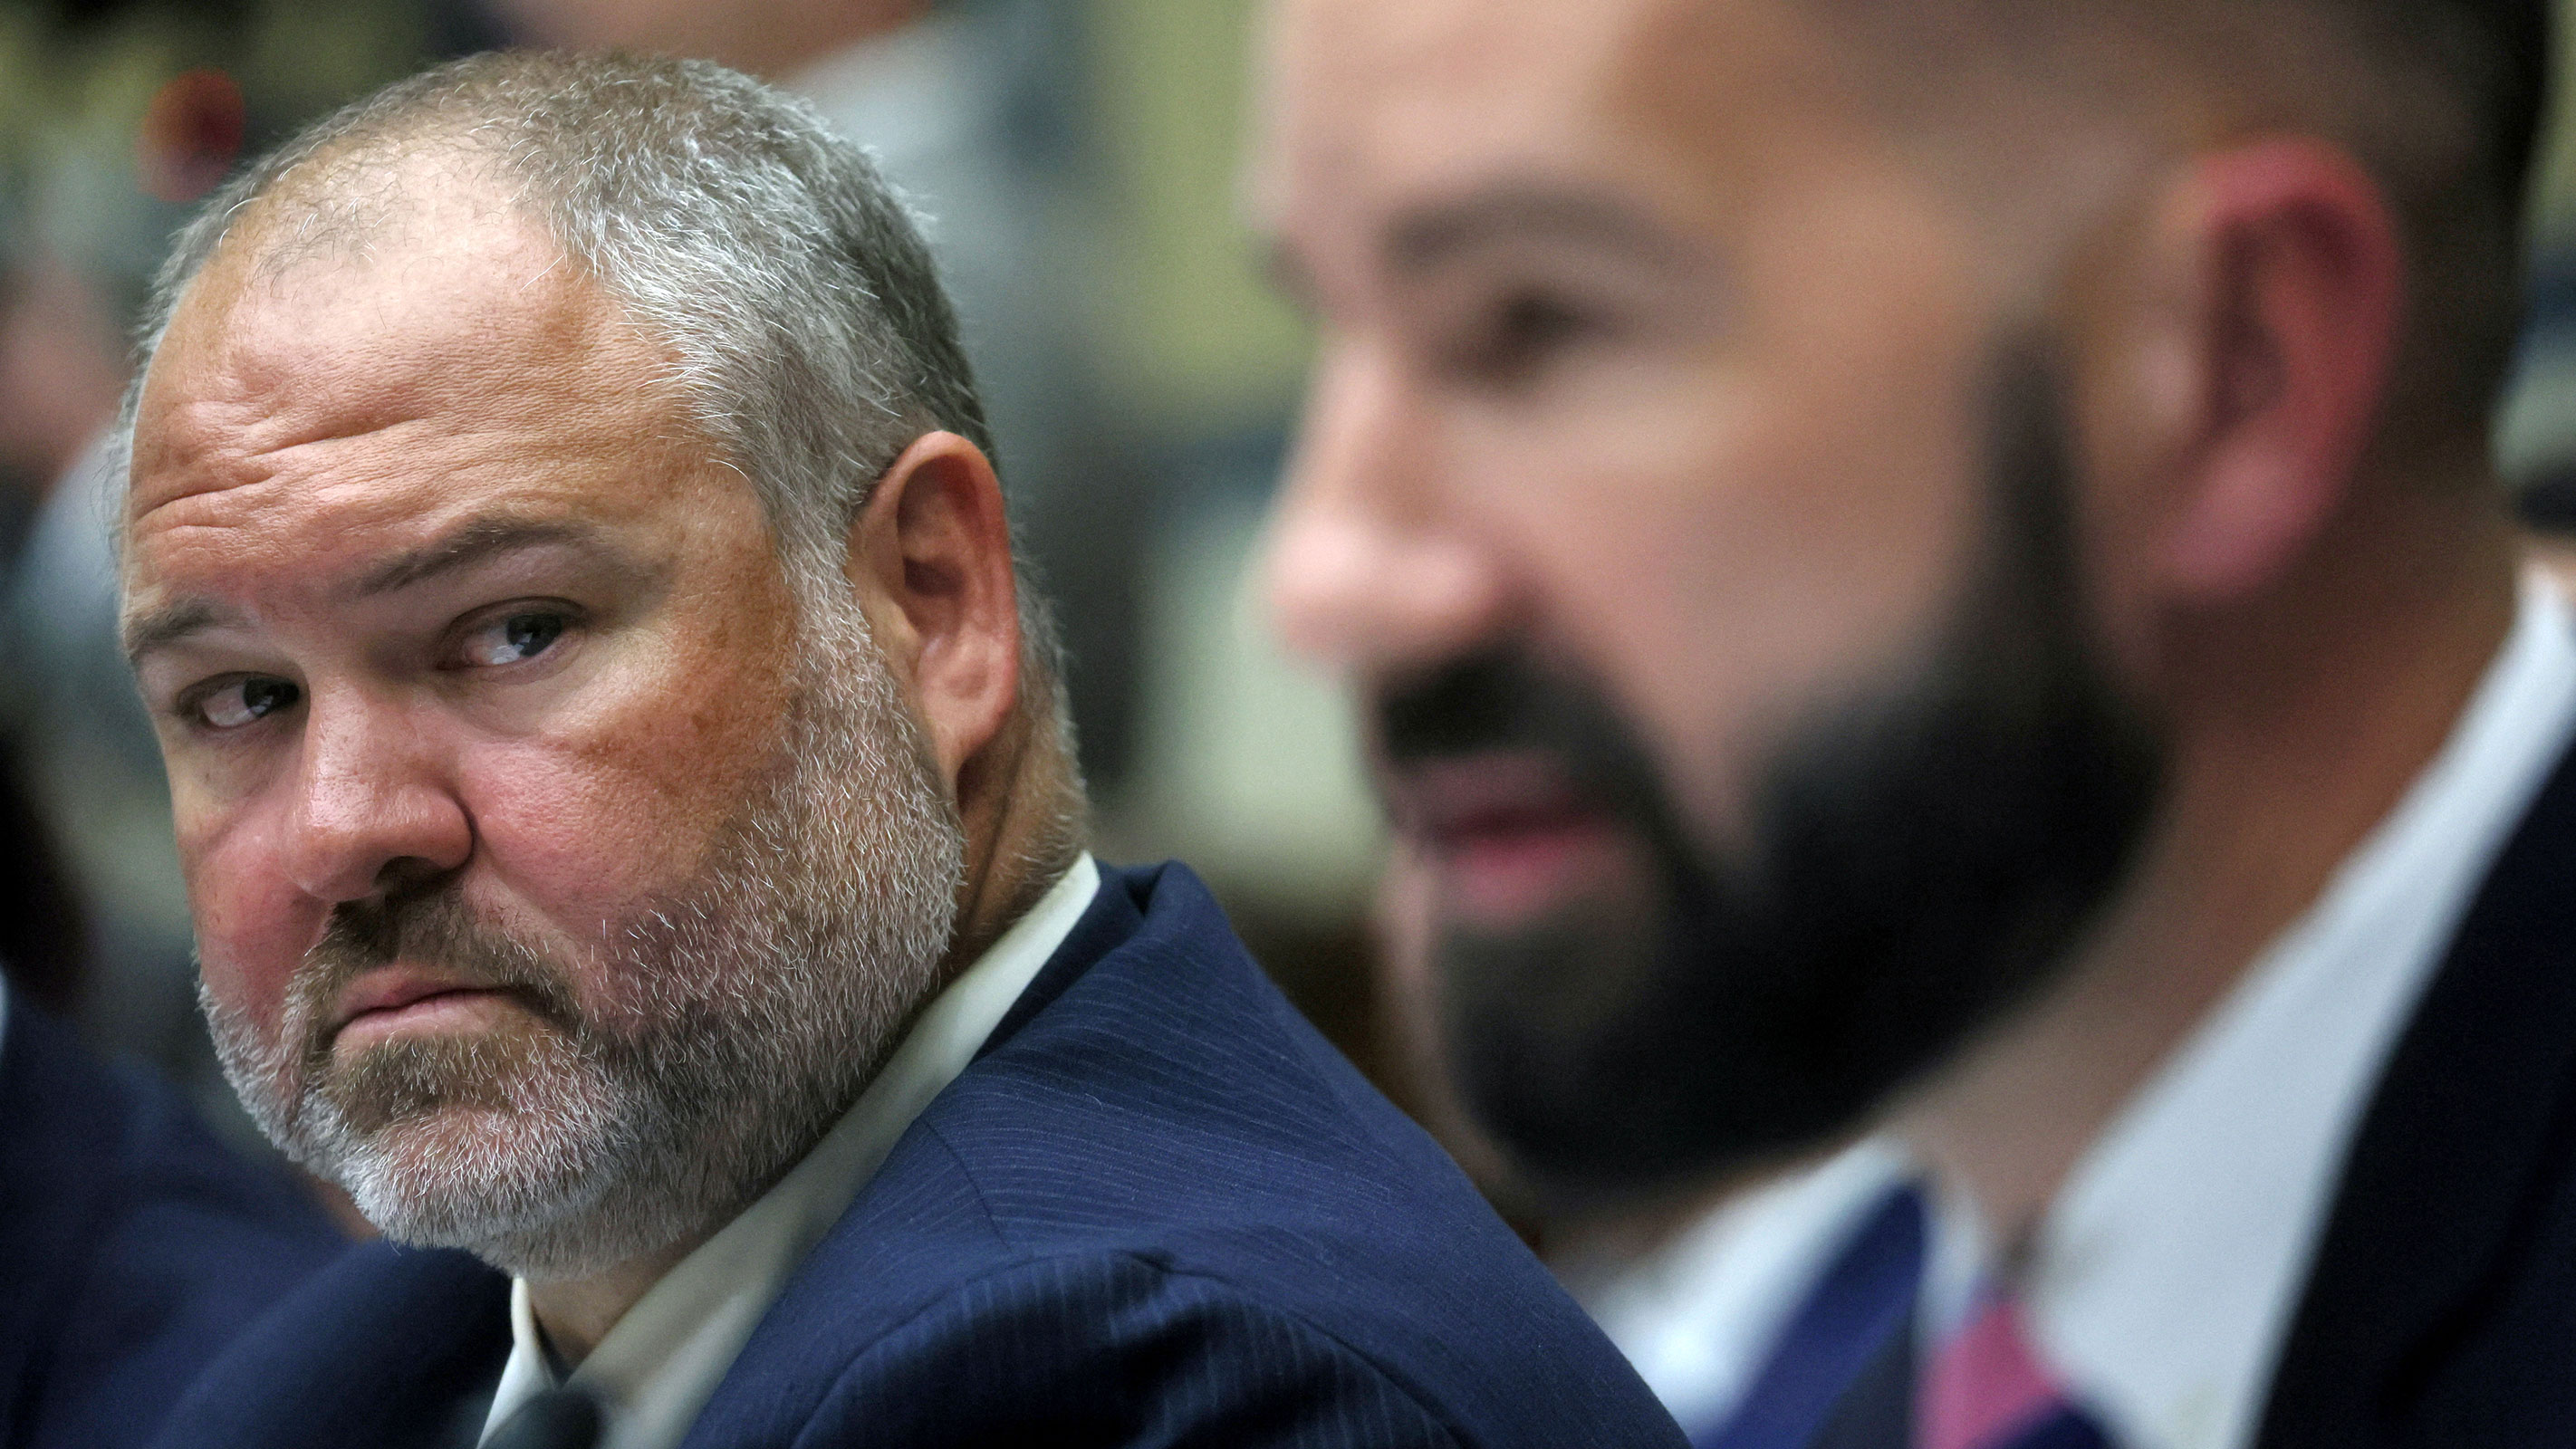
column 1987, row 1390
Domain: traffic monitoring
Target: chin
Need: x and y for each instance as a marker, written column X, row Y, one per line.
column 524, row 1190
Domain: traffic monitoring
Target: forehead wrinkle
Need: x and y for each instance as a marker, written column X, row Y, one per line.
column 254, row 401
column 291, row 422
column 265, row 390
column 285, row 502
column 211, row 465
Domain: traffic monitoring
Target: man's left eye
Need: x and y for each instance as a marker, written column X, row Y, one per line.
column 514, row 638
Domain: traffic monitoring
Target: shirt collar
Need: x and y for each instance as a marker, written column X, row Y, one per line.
column 655, row 1369
column 2165, row 1271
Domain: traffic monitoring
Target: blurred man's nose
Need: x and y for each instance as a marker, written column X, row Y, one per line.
column 1372, row 567
column 371, row 801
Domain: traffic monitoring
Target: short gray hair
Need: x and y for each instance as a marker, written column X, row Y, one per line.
column 811, row 337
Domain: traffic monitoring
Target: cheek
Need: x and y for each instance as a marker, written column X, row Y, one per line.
column 253, row 926
column 1734, row 540
column 586, row 824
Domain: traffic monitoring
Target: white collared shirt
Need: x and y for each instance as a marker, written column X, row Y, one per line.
column 657, row 1367
column 2164, row 1273
column 2167, row 1268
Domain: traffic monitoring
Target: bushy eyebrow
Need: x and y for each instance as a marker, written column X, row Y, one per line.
column 474, row 542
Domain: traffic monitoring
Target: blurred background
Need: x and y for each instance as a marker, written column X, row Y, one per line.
column 1077, row 160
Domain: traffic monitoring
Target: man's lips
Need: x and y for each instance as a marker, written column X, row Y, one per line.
column 1509, row 833
column 392, row 998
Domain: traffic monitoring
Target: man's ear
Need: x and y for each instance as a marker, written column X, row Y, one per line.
column 2275, row 322
column 930, row 562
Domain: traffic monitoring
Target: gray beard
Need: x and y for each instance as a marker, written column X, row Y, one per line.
column 742, row 1016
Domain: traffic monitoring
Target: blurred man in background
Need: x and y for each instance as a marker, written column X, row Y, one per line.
column 635, row 838
column 1934, row 566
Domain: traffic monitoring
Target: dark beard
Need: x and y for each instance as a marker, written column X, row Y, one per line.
column 1922, row 855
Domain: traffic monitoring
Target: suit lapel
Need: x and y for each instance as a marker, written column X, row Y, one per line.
column 1877, row 1411
column 2471, row 1121
column 792, row 1358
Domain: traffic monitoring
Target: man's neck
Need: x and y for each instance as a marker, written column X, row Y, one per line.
column 2299, row 728
column 577, row 1313
column 1013, row 800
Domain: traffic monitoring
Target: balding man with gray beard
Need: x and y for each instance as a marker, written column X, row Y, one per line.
column 635, row 840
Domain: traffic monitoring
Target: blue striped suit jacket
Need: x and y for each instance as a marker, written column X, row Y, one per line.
column 1158, row 1209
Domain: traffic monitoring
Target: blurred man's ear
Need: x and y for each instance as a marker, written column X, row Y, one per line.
column 930, row 562
column 2271, row 292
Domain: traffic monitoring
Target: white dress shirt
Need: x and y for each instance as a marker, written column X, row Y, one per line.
column 2163, row 1275
column 656, row 1368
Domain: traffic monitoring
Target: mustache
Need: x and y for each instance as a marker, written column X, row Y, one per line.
column 1503, row 699
column 1496, row 699
column 434, row 926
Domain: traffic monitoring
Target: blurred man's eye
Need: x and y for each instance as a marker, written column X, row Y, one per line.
column 1516, row 339
column 239, row 702
column 513, row 638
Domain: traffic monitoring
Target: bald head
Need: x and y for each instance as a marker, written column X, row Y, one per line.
column 784, row 274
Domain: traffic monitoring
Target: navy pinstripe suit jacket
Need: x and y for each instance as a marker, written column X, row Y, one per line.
column 1156, row 1210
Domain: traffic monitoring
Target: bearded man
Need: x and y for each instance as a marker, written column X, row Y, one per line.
column 1932, row 568
column 635, row 839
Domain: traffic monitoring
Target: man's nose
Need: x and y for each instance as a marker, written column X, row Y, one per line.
column 1372, row 564
column 371, row 801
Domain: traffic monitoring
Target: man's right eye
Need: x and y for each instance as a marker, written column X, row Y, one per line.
column 238, row 702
